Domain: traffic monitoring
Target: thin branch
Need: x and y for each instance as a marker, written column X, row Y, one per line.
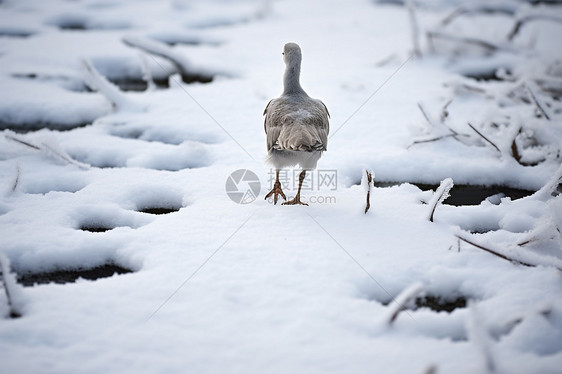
column 501, row 255
column 533, row 17
column 479, row 9
column 414, row 28
column 431, row 140
column 23, row 142
column 10, row 287
column 445, row 111
column 427, row 118
column 17, row 180
column 386, row 60
column 485, row 138
column 489, row 46
column 367, row 182
column 537, row 103
column 110, row 91
column 47, row 149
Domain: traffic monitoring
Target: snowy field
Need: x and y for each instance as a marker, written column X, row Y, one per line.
column 122, row 121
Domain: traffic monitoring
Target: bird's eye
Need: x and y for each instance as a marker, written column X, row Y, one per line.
column 283, row 53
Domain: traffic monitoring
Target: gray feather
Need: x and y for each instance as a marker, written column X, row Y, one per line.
column 295, row 122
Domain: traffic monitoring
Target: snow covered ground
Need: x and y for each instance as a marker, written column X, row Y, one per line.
column 221, row 287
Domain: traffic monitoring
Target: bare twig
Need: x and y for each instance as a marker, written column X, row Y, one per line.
column 485, row 138
column 10, row 286
column 532, row 17
column 23, row 142
column 501, row 255
column 367, row 182
column 47, row 149
column 537, row 102
column 487, row 9
column 445, row 111
column 427, row 118
column 414, row 28
column 17, row 179
column 489, row 250
column 489, row 46
column 386, row 60
column 430, row 140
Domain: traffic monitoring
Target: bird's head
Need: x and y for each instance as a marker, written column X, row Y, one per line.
column 291, row 53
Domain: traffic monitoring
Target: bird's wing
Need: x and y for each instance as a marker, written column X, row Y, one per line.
column 274, row 120
column 265, row 114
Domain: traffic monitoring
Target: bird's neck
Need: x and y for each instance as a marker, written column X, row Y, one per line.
column 291, row 79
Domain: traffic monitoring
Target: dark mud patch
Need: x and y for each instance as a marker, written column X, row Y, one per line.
column 70, row 276
column 15, row 33
column 159, row 210
column 466, row 194
column 474, row 194
column 439, row 304
column 138, row 85
column 96, row 228
column 484, row 76
column 196, row 78
column 23, row 128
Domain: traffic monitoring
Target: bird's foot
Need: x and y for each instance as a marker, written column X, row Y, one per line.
column 276, row 191
column 295, row 201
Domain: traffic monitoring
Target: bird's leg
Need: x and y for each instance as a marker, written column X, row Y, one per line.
column 276, row 190
column 297, row 198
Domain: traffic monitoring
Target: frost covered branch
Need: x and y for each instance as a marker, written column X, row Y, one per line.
column 478, row 335
column 11, row 288
column 550, row 187
column 47, row 150
column 401, row 300
column 182, row 64
column 414, row 27
column 439, row 196
column 146, row 73
column 98, row 82
column 443, row 117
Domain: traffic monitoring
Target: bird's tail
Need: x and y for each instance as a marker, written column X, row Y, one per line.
column 299, row 138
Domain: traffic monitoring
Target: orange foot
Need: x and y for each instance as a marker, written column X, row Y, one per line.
column 277, row 191
column 295, row 201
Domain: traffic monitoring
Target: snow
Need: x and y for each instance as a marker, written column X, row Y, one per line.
column 245, row 288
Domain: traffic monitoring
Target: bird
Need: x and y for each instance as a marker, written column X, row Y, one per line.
column 296, row 126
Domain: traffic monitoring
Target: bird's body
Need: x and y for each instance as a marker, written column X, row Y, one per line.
column 296, row 125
